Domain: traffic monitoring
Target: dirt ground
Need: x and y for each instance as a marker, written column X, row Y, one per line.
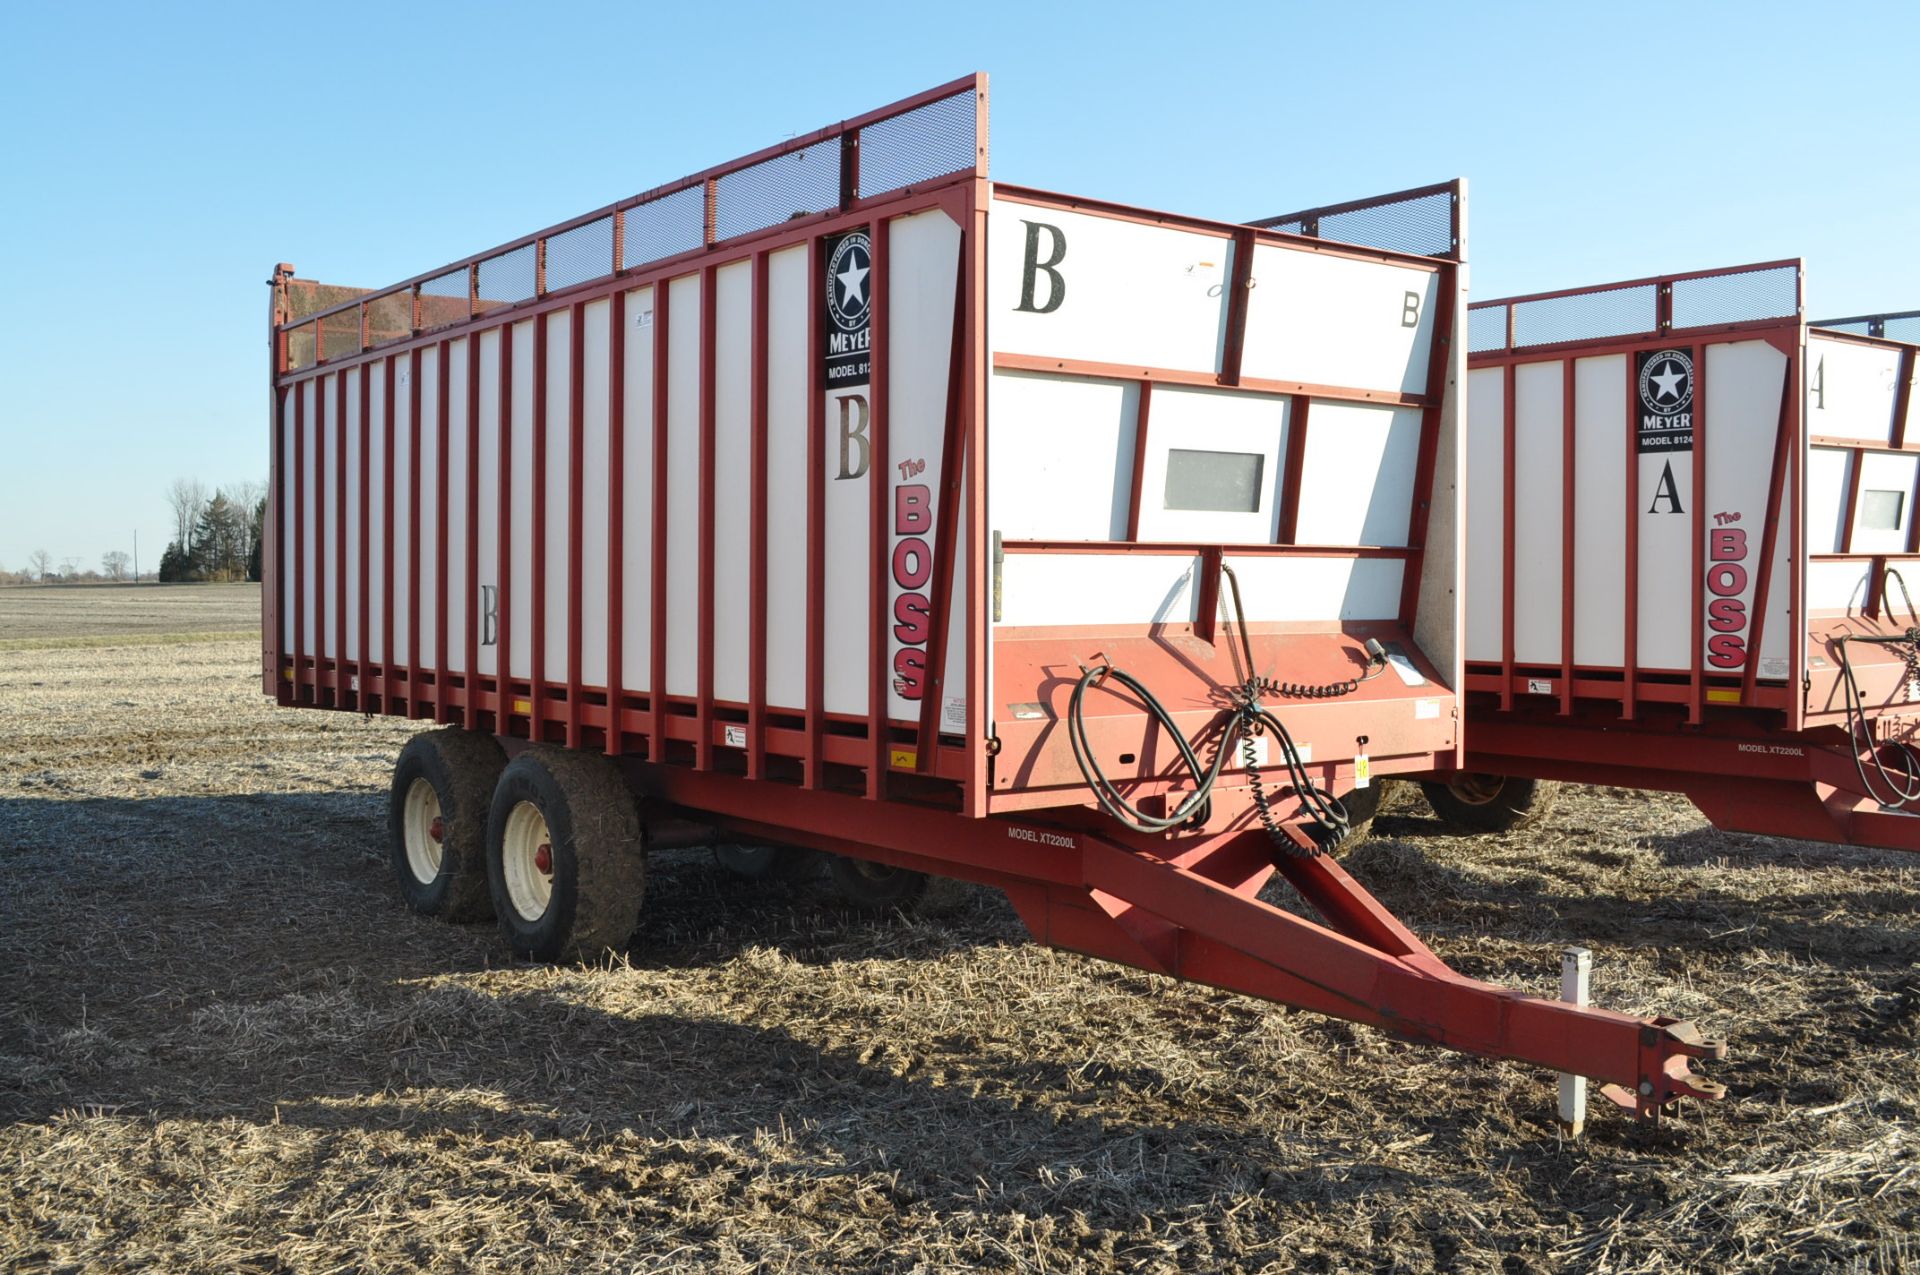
column 225, row 1045
column 88, row 613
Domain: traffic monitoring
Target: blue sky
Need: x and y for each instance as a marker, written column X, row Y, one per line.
column 157, row 160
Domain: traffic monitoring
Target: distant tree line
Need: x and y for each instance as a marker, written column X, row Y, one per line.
column 217, row 536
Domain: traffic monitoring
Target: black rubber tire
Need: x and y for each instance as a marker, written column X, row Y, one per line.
column 462, row 766
column 765, row 862
column 1490, row 803
column 599, row 860
column 876, row 887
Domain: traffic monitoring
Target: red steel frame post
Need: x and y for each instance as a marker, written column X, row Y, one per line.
column 442, row 675
column 1142, row 419
column 1299, row 416
column 1440, row 351
column 973, row 413
column 946, row 524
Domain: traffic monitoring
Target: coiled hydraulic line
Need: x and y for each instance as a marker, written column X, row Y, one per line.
column 1244, row 722
column 1895, row 790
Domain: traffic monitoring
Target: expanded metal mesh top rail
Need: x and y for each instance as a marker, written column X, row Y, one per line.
column 939, row 134
column 1899, row 325
column 1424, row 221
column 1637, row 307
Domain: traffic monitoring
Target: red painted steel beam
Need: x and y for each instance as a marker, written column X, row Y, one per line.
column 1509, row 466
column 537, row 573
column 337, row 504
column 1769, row 532
column 1292, row 467
column 946, row 528
column 387, row 662
column 816, row 517
column 1568, row 446
column 1362, row 965
column 298, row 476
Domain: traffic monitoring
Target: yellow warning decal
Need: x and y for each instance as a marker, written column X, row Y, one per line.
column 902, row 758
column 1719, row 696
column 523, row 706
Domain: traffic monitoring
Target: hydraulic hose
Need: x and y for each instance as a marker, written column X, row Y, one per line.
column 1242, row 724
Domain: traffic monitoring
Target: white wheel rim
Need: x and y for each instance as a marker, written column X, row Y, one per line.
column 423, row 847
column 529, row 888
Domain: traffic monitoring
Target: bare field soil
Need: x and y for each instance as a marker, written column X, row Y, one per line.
column 92, row 612
column 225, row 1045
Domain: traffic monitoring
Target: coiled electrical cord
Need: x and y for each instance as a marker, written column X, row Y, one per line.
column 1247, row 720
column 1904, row 786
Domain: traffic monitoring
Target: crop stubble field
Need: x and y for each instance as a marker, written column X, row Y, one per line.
column 224, row 1044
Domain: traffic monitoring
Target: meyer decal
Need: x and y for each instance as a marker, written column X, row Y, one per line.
column 849, row 303
column 1666, row 400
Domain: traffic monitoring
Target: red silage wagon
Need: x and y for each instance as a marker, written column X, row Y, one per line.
column 838, row 498
column 1691, row 556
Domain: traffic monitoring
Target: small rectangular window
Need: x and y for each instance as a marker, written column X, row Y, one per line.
column 1882, row 510
column 1217, row 482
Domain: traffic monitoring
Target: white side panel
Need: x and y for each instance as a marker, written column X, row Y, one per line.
column 1061, row 464
column 732, row 464
column 846, row 633
column 1324, row 320
column 1309, row 589
column 1096, row 588
column 427, row 618
column 787, row 395
column 552, row 616
column 1093, row 589
column 1885, row 503
column 458, row 533
column 484, row 611
column 379, row 537
column 1837, row 586
column 1217, row 421
column 1829, row 469
column 1539, row 445
column 1850, row 389
column 330, row 443
column 1356, row 474
column 636, row 513
column 290, row 471
column 353, row 493
column 1486, row 512
column 1106, row 290
column 683, row 486
column 593, row 494
column 1742, row 425
column 924, row 252
column 405, row 614
column 1599, row 510
column 521, row 603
